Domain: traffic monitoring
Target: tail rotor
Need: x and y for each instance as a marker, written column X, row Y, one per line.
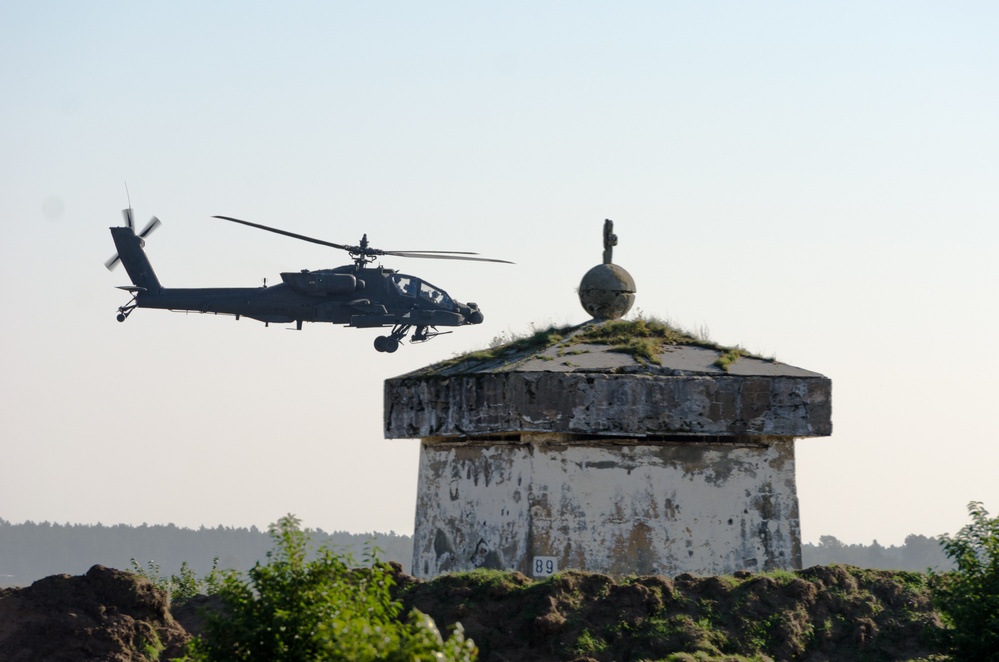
column 146, row 231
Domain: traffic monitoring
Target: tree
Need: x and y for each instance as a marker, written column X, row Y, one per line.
column 922, row 552
column 293, row 608
column 969, row 596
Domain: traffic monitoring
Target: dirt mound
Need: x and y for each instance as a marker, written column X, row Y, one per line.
column 823, row 614
column 106, row 615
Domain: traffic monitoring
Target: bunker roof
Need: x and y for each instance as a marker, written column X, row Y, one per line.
column 641, row 347
column 637, row 378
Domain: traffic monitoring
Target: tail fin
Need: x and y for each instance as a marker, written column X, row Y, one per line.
column 134, row 258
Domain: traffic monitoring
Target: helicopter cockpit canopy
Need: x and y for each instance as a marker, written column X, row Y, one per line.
column 414, row 287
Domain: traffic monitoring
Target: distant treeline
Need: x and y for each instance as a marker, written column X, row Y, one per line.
column 917, row 553
column 30, row 551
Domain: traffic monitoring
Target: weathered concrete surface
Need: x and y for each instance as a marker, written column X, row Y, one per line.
column 585, row 388
column 607, row 404
column 616, row 508
column 606, row 458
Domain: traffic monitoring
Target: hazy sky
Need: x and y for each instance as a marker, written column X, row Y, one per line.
column 816, row 181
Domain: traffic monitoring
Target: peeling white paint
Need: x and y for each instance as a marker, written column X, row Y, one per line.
column 621, row 508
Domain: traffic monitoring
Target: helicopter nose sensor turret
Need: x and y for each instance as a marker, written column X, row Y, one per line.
column 474, row 316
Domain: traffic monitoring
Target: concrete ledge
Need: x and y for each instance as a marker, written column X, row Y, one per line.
column 475, row 404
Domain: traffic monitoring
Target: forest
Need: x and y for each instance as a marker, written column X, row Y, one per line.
column 30, row 551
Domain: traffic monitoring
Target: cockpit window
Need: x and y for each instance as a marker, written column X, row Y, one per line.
column 411, row 287
column 405, row 284
column 435, row 295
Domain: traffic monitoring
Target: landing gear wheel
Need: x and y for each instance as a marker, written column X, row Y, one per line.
column 126, row 310
column 390, row 343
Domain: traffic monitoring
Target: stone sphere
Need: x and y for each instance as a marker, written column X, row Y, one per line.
column 607, row 292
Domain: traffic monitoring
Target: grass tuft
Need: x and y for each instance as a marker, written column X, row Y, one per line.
column 730, row 357
column 537, row 341
column 644, row 338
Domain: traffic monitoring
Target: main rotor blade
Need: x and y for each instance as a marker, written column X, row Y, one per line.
column 445, row 252
column 441, row 255
column 446, row 257
column 285, row 233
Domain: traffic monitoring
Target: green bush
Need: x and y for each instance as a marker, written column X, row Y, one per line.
column 969, row 596
column 182, row 586
column 293, row 608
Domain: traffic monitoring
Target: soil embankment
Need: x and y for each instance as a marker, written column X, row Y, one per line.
column 106, row 614
column 822, row 614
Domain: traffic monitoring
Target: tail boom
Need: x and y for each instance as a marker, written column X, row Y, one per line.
column 136, row 263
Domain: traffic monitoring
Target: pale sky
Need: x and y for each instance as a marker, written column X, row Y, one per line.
column 815, row 181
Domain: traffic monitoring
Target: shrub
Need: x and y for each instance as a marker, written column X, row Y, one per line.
column 293, row 608
column 182, row 586
column 969, row 596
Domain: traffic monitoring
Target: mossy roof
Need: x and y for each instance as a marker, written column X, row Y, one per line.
column 631, row 347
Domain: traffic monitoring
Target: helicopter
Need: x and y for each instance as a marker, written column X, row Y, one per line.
column 356, row 295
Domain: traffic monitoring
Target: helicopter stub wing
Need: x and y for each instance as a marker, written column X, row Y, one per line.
column 365, row 306
column 371, row 321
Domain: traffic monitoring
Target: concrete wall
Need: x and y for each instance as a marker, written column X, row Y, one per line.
column 620, row 508
column 607, row 404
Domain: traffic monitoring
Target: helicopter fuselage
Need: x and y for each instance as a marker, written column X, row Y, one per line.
column 353, row 295
column 360, row 297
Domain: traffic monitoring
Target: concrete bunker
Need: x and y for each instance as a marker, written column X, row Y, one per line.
column 615, row 446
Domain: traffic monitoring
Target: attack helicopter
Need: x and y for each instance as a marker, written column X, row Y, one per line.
column 357, row 295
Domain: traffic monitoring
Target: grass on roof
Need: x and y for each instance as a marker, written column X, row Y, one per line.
column 539, row 340
column 644, row 338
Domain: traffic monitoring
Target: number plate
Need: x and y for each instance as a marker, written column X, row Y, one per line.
column 544, row 566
